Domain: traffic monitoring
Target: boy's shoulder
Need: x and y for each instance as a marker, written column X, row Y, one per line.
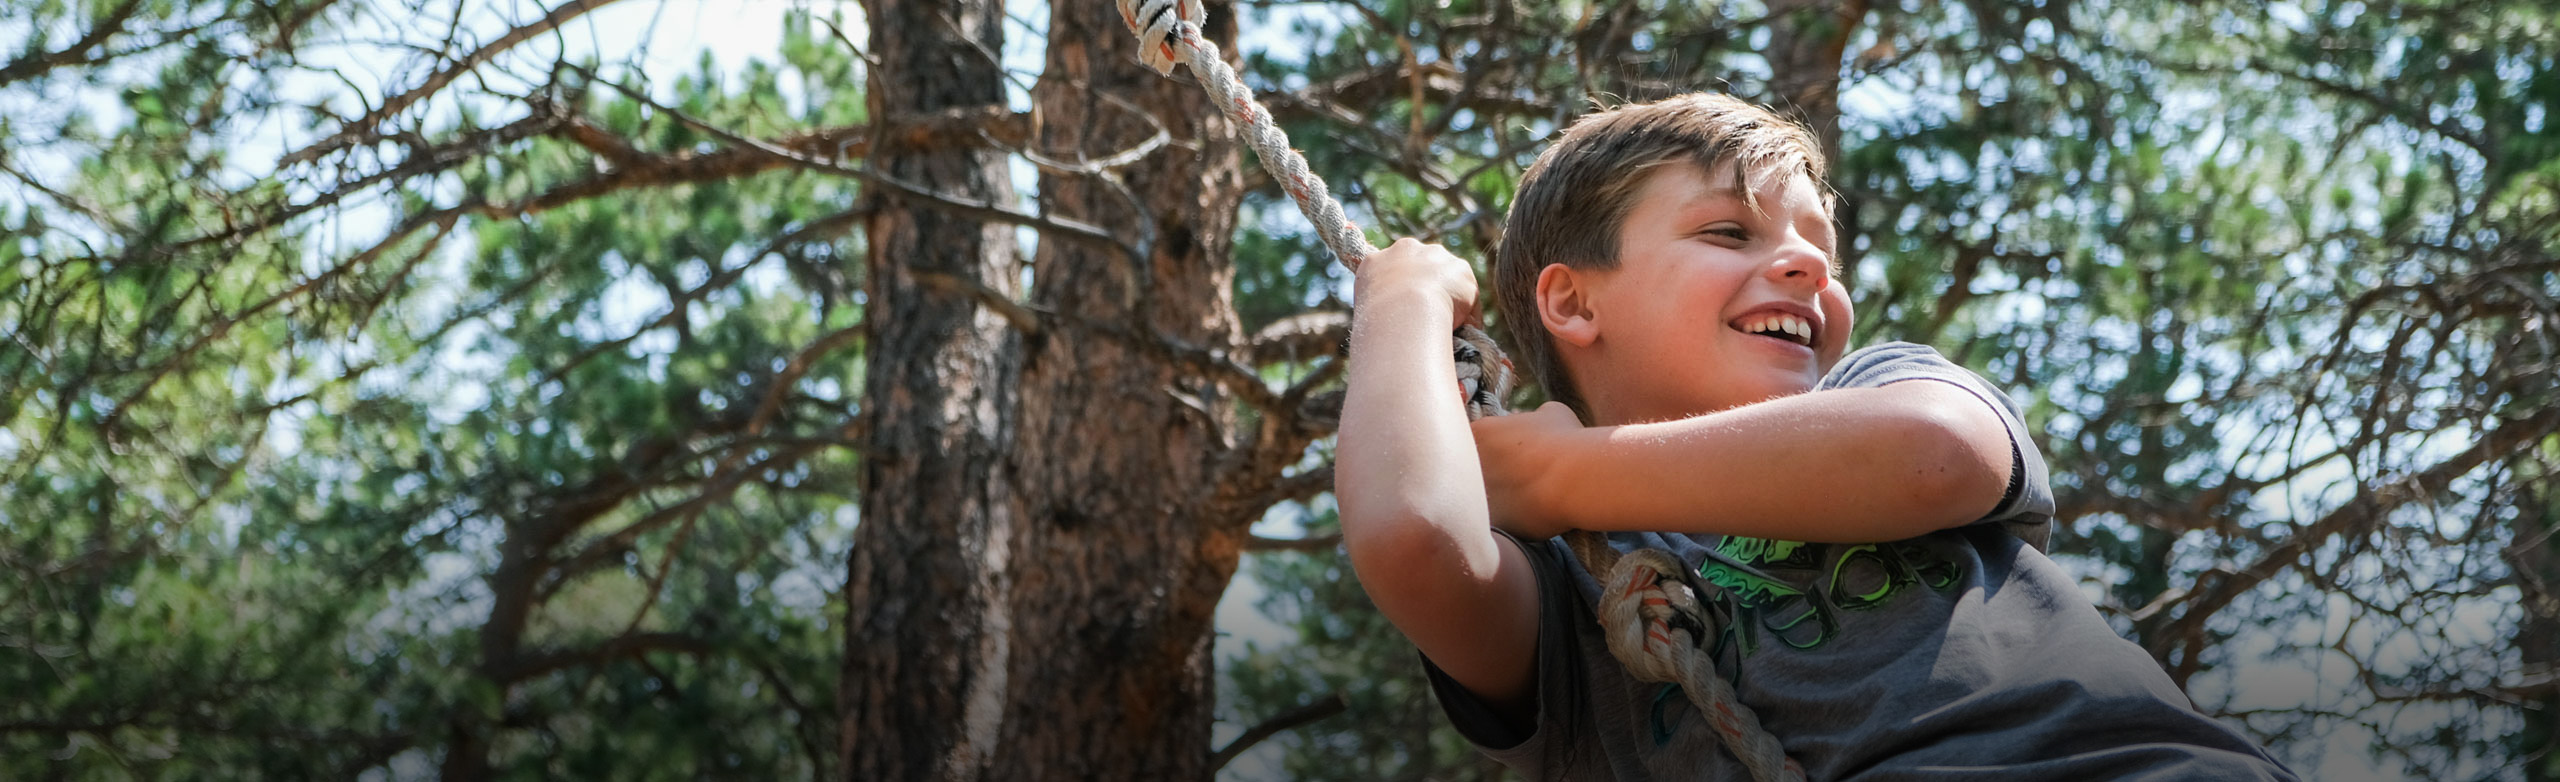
column 2026, row 507
column 1887, row 362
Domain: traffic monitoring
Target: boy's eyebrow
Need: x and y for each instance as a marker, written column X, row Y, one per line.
column 1714, row 196
column 1717, row 195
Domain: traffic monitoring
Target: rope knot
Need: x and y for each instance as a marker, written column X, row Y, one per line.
column 1153, row 21
column 1484, row 375
column 1658, row 628
column 1652, row 615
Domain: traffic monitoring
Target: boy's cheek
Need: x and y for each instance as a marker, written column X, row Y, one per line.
column 1839, row 318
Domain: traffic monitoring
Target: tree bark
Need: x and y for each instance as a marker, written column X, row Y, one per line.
column 1047, row 522
column 1121, row 448
column 928, row 642
column 1806, row 44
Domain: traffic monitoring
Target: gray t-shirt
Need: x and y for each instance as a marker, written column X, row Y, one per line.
column 1962, row 654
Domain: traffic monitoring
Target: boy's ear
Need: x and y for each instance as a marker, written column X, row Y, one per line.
column 1565, row 305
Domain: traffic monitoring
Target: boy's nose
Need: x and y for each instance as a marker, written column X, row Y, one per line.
column 1800, row 262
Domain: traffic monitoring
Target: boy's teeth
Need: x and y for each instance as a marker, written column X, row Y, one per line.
column 1789, row 325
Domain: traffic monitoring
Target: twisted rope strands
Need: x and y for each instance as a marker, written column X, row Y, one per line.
column 1643, row 597
column 1181, row 24
column 1169, row 30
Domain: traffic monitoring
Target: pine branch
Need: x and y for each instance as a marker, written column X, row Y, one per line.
column 1309, row 543
column 2218, row 588
column 527, row 666
column 1066, row 228
column 1327, row 706
column 77, row 53
column 367, row 126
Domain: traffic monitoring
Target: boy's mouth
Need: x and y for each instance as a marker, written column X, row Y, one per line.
column 1777, row 325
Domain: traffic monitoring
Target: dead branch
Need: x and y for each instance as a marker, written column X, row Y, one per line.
column 2217, row 589
column 529, row 665
column 78, row 53
column 1309, row 543
column 1300, row 337
column 1073, row 230
column 1327, row 706
column 354, row 131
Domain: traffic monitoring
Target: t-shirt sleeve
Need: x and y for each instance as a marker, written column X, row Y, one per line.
column 2026, row 510
column 1525, row 748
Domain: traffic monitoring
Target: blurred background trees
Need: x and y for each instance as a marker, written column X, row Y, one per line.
column 404, row 389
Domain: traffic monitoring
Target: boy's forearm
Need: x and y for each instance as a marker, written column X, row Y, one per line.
column 1405, row 467
column 1845, row 465
column 1414, row 512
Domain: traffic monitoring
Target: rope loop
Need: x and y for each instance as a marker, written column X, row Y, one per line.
column 1638, row 604
column 1657, row 627
column 1157, row 25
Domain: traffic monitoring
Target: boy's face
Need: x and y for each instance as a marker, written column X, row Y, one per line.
column 1714, row 305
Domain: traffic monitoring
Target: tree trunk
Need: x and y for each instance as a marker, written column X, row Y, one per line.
column 1047, row 522
column 1128, row 545
column 927, row 642
column 1805, row 49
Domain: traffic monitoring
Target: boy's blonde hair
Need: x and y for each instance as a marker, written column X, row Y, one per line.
column 1573, row 201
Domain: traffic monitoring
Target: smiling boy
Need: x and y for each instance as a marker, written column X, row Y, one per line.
column 1872, row 542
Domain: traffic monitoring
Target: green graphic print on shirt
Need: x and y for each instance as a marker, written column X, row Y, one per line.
column 1795, row 592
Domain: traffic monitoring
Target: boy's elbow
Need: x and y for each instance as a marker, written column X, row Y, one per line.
column 1411, row 558
column 1963, row 468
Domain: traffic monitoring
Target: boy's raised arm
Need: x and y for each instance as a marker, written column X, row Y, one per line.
column 1849, row 465
column 1411, row 494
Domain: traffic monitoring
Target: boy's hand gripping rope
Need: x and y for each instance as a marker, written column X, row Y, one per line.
column 1649, row 603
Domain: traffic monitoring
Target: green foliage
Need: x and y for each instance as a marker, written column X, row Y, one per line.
column 1390, row 730
column 266, row 473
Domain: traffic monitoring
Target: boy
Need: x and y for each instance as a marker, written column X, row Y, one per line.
column 1871, row 543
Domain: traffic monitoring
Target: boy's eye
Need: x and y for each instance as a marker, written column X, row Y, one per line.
column 1729, row 232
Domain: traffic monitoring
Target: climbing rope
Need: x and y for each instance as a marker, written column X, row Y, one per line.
column 1172, row 34
column 1649, row 605
column 1656, row 626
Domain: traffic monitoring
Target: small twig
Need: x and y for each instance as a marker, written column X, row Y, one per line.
column 1217, row 365
column 1327, row 706
column 1021, row 316
column 352, row 133
column 967, row 207
column 1300, row 337
column 1309, row 543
